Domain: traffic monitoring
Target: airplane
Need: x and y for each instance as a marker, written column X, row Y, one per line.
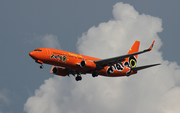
column 66, row 63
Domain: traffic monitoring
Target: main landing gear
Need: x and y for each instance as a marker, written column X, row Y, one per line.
column 78, row 78
column 94, row 74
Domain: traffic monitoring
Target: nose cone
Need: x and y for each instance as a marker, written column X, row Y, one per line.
column 32, row 54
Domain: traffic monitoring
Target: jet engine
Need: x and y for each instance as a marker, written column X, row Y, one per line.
column 60, row 71
column 87, row 64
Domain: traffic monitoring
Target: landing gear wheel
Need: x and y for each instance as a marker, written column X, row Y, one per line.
column 41, row 66
column 94, row 74
column 78, row 78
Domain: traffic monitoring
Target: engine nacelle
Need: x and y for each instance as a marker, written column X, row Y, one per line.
column 87, row 64
column 60, row 71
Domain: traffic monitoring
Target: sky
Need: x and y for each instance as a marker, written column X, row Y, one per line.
column 101, row 28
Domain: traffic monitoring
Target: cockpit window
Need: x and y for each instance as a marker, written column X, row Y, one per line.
column 37, row 50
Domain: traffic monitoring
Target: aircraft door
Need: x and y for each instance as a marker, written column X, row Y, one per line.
column 48, row 52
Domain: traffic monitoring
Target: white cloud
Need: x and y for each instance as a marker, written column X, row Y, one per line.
column 50, row 41
column 152, row 90
column 3, row 97
column 170, row 101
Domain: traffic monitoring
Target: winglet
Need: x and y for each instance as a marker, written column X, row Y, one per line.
column 150, row 48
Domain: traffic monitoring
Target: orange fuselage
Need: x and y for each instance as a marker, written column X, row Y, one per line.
column 71, row 60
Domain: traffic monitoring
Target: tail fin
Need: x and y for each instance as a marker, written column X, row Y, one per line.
column 134, row 48
column 133, row 59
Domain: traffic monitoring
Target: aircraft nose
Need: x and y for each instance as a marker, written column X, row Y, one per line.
column 32, row 54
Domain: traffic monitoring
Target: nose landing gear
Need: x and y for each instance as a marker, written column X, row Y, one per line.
column 40, row 62
column 41, row 66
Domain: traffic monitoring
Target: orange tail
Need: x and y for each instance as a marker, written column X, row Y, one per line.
column 133, row 59
column 134, row 48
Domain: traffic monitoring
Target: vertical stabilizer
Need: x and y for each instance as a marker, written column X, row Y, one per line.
column 134, row 48
column 132, row 60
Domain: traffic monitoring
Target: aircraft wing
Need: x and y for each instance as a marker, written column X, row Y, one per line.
column 110, row 61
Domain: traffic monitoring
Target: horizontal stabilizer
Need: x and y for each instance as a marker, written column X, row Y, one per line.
column 144, row 67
